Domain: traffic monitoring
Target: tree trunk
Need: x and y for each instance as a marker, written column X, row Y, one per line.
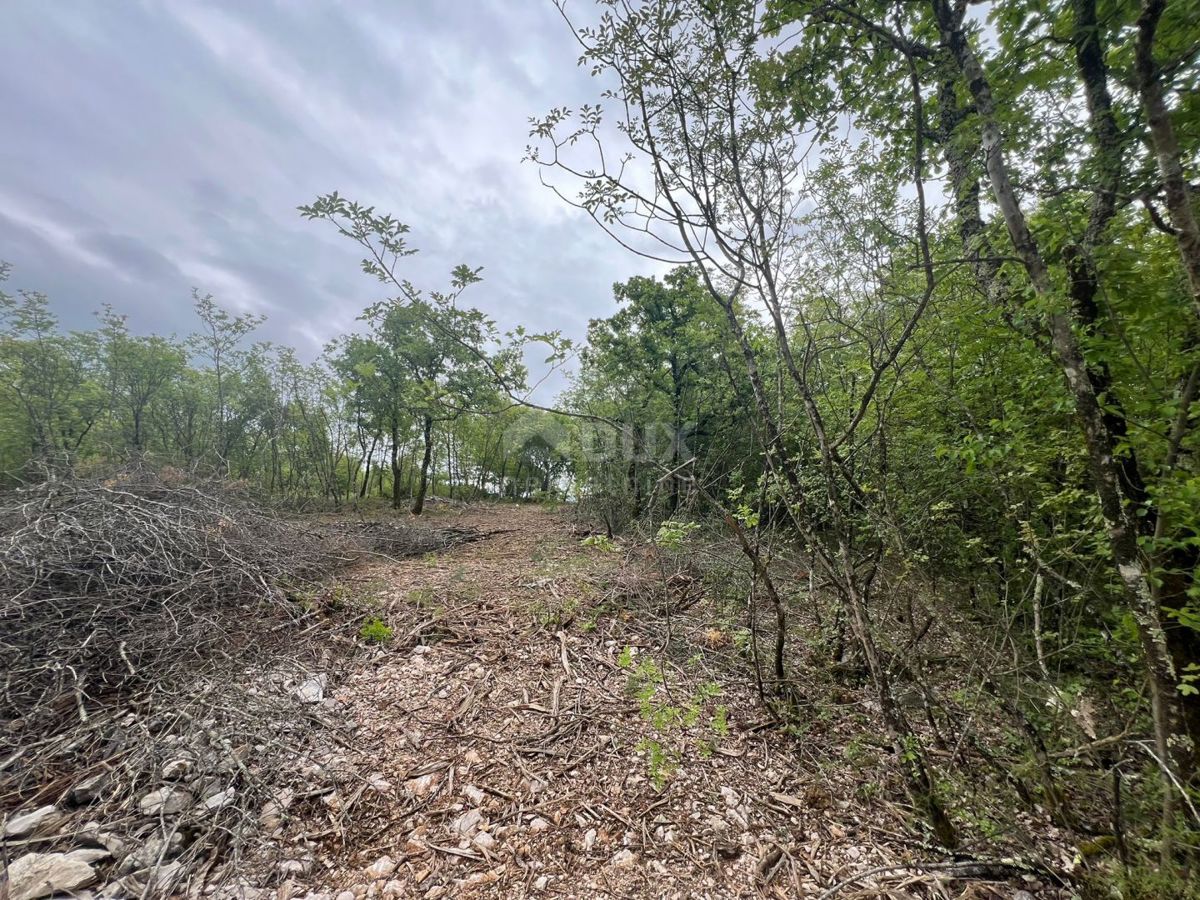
column 419, row 501
column 395, row 466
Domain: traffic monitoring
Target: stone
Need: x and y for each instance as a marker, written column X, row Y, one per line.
column 381, row 868
column 394, row 888
column 219, row 800
column 589, row 839
column 166, row 801
column 156, row 849
column 312, row 689
column 346, row 895
column 290, row 868
column 484, row 841
column 422, row 785
column 88, row 790
column 44, row 874
column 468, row 823
column 33, row 823
column 540, row 884
column 624, row 859
column 177, row 768
column 730, row 796
column 538, row 825
column 474, row 794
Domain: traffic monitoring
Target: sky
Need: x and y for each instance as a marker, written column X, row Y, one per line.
column 151, row 146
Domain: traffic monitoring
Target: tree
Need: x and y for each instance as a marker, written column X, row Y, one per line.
column 139, row 370
column 47, row 377
column 724, row 192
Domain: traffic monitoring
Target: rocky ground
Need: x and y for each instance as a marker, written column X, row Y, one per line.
column 537, row 723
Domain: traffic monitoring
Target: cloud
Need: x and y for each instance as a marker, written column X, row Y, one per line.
column 154, row 147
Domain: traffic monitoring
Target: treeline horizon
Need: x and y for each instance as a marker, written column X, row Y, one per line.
column 400, row 421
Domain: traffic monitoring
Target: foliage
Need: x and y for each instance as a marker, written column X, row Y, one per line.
column 376, row 631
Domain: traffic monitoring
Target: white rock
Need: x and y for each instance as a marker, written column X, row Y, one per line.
column 474, row 794
column 422, row 785
column 35, row 822
column 540, row 884
column 539, row 825
column 468, row 823
column 346, row 895
column 219, row 800
column 295, row 867
column 623, row 859
column 312, row 689
column 484, row 841
column 589, row 839
column 166, row 800
column 177, row 768
column 381, row 868
column 394, row 888
column 731, row 796
column 43, row 874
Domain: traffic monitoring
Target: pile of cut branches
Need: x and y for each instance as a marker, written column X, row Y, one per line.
column 106, row 584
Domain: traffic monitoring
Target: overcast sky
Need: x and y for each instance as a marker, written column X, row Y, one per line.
column 149, row 147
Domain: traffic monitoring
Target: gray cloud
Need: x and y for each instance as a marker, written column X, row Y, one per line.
column 149, row 147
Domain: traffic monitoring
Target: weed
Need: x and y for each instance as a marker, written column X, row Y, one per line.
column 600, row 542
column 555, row 613
column 376, row 631
column 661, row 762
column 421, row 597
column 669, row 720
column 672, row 535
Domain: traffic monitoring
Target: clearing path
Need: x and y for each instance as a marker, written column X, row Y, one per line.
column 521, row 735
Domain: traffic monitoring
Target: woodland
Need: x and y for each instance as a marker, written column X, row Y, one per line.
column 912, row 405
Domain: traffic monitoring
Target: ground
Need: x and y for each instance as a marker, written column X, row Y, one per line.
column 521, row 732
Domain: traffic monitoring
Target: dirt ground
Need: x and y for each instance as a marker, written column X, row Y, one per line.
column 522, row 734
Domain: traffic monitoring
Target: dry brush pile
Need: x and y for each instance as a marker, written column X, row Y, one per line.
column 163, row 643
column 107, row 584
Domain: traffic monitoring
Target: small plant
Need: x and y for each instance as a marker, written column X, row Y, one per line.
column 743, row 641
column 672, row 534
column 555, row 613
column 421, row 596
column 600, row 542
column 661, row 762
column 720, row 720
column 376, row 631
column 667, row 719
